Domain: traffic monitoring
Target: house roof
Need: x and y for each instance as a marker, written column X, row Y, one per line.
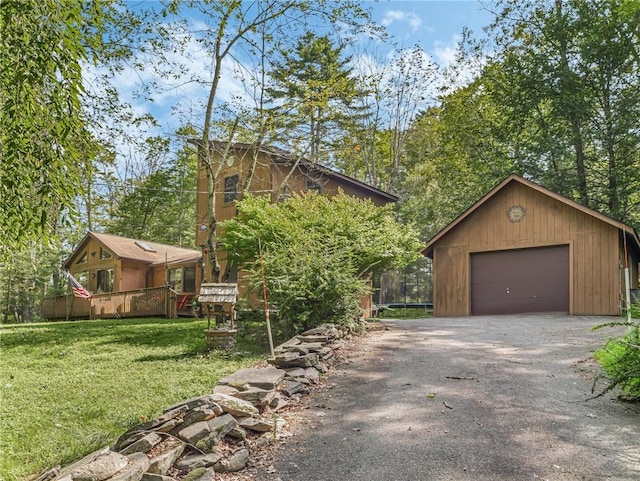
column 287, row 158
column 137, row 249
column 629, row 232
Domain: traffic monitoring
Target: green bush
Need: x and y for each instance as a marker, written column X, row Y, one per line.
column 318, row 252
column 620, row 359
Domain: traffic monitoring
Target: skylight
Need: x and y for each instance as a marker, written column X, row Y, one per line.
column 145, row 247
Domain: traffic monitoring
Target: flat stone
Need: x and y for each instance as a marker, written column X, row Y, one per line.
column 283, row 358
column 238, row 433
column 235, row 406
column 312, row 374
column 236, row 462
column 300, row 349
column 312, row 338
column 200, row 474
column 313, row 346
column 156, row 477
column 278, row 403
column 190, row 404
column 143, row 444
column 255, row 377
column 293, row 387
column 97, row 466
column 223, row 424
column 317, row 331
column 258, row 425
column 295, row 372
column 194, row 461
column 269, row 398
column 138, row 465
column 194, row 432
column 128, row 438
column 302, row 380
column 201, row 413
column 169, row 413
column 298, row 361
column 161, row 463
column 224, row 389
column 169, row 426
column 287, row 344
column 254, row 395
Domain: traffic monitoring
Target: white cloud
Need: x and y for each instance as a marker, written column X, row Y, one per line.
column 445, row 52
column 396, row 16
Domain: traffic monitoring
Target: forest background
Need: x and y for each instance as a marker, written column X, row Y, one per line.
column 550, row 91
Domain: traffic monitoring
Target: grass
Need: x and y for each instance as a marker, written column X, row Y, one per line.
column 69, row 388
column 406, row 313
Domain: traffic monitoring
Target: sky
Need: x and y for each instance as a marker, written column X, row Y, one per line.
column 434, row 25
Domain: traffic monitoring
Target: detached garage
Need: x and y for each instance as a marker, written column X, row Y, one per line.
column 522, row 248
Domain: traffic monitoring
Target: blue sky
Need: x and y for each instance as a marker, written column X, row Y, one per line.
column 434, row 25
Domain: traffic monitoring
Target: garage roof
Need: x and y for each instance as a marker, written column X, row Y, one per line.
column 629, row 232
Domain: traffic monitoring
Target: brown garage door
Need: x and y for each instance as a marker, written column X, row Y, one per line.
column 520, row 280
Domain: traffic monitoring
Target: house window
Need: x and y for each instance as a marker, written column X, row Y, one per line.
column 82, row 278
column 105, row 254
column 104, row 280
column 175, row 279
column 313, row 185
column 183, row 279
column 231, row 188
column 83, row 259
column 189, row 279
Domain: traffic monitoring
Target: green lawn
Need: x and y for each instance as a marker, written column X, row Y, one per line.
column 69, row 388
column 406, row 313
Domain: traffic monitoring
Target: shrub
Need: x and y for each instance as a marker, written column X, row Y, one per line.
column 318, row 252
column 620, row 358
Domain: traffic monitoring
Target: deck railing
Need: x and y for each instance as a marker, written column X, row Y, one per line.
column 155, row 301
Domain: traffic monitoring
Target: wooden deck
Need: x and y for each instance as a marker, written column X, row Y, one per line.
column 156, row 301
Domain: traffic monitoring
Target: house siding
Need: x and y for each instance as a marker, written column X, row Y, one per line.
column 593, row 244
column 268, row 179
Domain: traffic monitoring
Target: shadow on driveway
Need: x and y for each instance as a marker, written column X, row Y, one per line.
column 478, row 398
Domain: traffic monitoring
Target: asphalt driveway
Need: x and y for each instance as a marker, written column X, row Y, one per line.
column 479, row 398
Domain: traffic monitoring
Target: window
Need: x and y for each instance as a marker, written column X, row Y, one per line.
column 231, row 188
column 83, row 259
column 313, row 185
column 105, row 254
column 175, row 279
column 183, row 279
column 189, row 279
column 105, row 280
column 82, row 278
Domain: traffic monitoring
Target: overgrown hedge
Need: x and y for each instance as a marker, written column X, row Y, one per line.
column 318, row 252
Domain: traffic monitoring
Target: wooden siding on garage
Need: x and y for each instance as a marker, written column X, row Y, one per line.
column 593, row 245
